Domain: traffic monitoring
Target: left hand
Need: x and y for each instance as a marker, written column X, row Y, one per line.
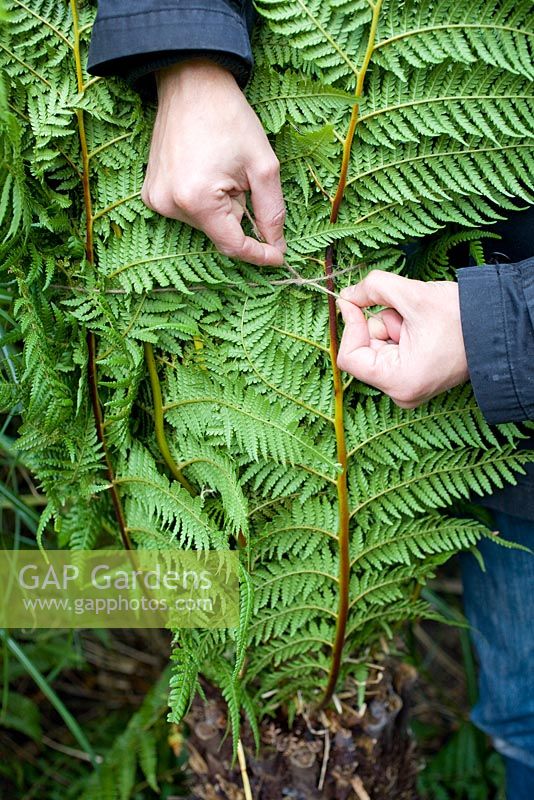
column 414, row 349
column 208, row 149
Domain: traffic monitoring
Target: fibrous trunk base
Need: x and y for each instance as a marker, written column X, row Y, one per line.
column 371, row 756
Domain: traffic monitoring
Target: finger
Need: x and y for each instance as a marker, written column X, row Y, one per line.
column 377, row 365
column 353, row 316
column 384, row 288
column 360, row 361
column 386, row 325
column 268, row 203
column 228, row 237
column 355, row 354
column 372, row 361
column 377, row 328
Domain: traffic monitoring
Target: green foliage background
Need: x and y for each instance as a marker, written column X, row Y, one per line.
column 247, row 446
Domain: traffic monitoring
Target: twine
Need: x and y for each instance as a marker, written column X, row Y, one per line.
column 297, row 279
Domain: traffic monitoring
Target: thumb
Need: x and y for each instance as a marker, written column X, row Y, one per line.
column 355, row 354
column 381, row 288
column 376, row 363
column 268, row 205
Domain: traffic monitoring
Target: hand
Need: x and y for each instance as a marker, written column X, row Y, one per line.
column 209, row 148
column 414, row 349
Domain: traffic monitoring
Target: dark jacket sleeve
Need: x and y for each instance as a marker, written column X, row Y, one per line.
column 131, row 38
column 497, row 311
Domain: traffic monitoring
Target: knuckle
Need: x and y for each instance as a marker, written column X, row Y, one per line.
column 342, row 362
column 146, row 197
column 157, row 200
column 186, row 197
column 228, row 250
column 372, row 278
column 268, row 168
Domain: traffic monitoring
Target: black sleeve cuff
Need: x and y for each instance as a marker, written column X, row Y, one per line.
column 133, row 45
column 497, row 312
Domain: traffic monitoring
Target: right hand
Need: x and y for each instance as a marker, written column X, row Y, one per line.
column 208, row 149
column 414, row 349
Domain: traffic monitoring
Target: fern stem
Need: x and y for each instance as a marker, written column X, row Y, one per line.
column 89, row 249
column 339, row 422
column 90, row 256
column 99, row 422
column 243, row 769
column 342, row 495
column 158, row 420
column 347, row 146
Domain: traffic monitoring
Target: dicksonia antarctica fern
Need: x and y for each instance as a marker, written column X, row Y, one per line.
column 171, row 397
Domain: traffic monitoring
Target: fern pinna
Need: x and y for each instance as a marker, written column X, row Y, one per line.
column 171, row 397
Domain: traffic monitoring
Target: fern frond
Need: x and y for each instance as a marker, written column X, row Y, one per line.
column 278, row 99
column 327, row 35
column 156, row 507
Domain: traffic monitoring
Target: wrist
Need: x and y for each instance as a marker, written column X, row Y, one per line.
column 192, row 75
